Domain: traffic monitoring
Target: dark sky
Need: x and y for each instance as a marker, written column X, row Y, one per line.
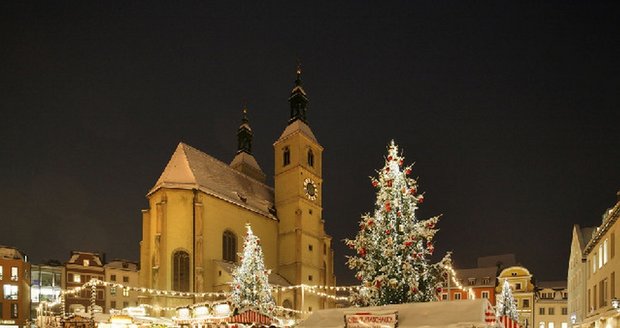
column 509, row 109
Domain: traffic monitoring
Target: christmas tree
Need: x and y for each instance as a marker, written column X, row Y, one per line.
column 250, row 286
column 506, row 305
column 392, row 245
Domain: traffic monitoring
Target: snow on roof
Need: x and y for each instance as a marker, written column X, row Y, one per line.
column 298, row 126
column 446, row 314
column 189, row 168
column 479, row 274
column 11, row 253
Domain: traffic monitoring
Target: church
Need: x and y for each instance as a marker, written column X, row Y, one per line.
column 193, row 229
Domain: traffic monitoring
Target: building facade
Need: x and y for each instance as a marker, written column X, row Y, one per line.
column 122, row 273
column 46, row 283
column 602, row 266
column 14, row 288
column 481, row 281
column 551, row 308
column 577, row 272
column 80, row 269
column 198, row 208
column 523, row 288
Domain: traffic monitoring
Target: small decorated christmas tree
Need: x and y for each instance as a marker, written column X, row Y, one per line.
column 392, row 245
column 250, row 286
column 506, row 305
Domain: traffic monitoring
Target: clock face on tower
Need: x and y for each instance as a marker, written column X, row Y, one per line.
column 310, row 189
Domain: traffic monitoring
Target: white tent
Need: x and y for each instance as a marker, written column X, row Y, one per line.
column 447, row 314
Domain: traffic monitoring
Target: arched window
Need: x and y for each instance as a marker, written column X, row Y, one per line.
column 286, row 156
column 229, row 246
column 180, row 271
column 310, row 158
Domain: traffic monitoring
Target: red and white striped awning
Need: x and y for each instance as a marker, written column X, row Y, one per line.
column 250, row 316
column 489, row 315
column 509, row 323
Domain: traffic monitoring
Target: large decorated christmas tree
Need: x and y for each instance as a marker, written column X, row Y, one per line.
column 506, row 305
column 250, row 286
column 393, row 246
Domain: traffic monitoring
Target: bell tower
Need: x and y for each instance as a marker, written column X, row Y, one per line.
column 305, row 253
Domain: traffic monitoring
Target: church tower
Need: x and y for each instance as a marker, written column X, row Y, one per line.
column 305, row 253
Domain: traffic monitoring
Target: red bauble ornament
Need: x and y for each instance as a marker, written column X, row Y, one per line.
column 421, row 199
column 375, row 183
column 408, row 171
column 370, row 222
column 378, row 284
column 388, row 207
column 412, row 191
column 390, row 158
column 361, row 251
column 387, row 169
column 414, row 290
column 388, row 231
column 389, row 183
column 359, row 277
column 439, row 289
column 400, row 163
column 408, row 243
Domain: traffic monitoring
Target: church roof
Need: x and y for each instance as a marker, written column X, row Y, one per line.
column 298, row 126
column 189, row 168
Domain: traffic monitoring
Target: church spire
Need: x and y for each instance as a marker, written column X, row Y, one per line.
column 298, row 100
column 244, row 134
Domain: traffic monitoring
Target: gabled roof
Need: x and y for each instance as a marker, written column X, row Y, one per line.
column 189, row 168
column 479, row 274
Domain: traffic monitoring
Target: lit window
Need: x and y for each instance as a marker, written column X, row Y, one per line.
column 551, row 325
column 564, row 325
column 14, row 274
column 10, row 292
column 1, row 272
column 86, row 263
column 77, row 278
column 125, row 292
column 594, row 264
column 600, row 256
column 541, row 324
column 113, row 291
column 605, row 251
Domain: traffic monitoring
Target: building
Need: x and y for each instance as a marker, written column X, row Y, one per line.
column 45, row 286
column 481, row 281
column 198, row 208
column 15, row 287
column 551, row 308
column 124, row 273
column 602, row 264
column 521, row 282
column 80, row 269
column 577, row 271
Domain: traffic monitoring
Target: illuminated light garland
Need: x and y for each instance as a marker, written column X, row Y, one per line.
column 470, row 291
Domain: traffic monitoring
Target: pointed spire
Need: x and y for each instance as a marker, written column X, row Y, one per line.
column 298, row 99
column 244, row 133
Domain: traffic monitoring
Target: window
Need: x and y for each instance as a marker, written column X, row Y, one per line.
column 605, row 252
column 125, row 292
column 526, row 303
column 14, row 274
column 77, row 278
column 180, row 271
column 594, row 298
column 594, row 263
column 472, row 281
column 551, row 311
column 310, row 158
column 612, row 245
column 113, row 277
column 541, row 324
column 1, row 270
column 612, row 286
column 125, row 304
column 564, row 325
column 541, row 311
column 10, row 292
column 444, row 296
column 310, row 278
column 125, row 265
column 518, row 286
column 86, row 263
column 564, row 311
column 457, row 296
column 602, row 291
column 485, row 295
column 125, row 279
column 229, row 246
column 551, row 325
column 113, row 304
column 99, row 294
column 113, row 290
column 310, row 248
column 486, row 280
column 600, row 256
column 286, row 156
column 589, row 302
column 14, row 311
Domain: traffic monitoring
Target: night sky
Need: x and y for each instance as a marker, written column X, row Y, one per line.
column 510, row 111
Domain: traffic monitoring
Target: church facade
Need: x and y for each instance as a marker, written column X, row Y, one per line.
column 193, row 229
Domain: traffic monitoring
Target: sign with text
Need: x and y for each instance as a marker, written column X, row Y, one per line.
column 375, row 319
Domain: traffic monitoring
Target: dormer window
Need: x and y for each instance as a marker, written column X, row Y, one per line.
column 286, row 156
column 310, row 158
column 86, row 263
